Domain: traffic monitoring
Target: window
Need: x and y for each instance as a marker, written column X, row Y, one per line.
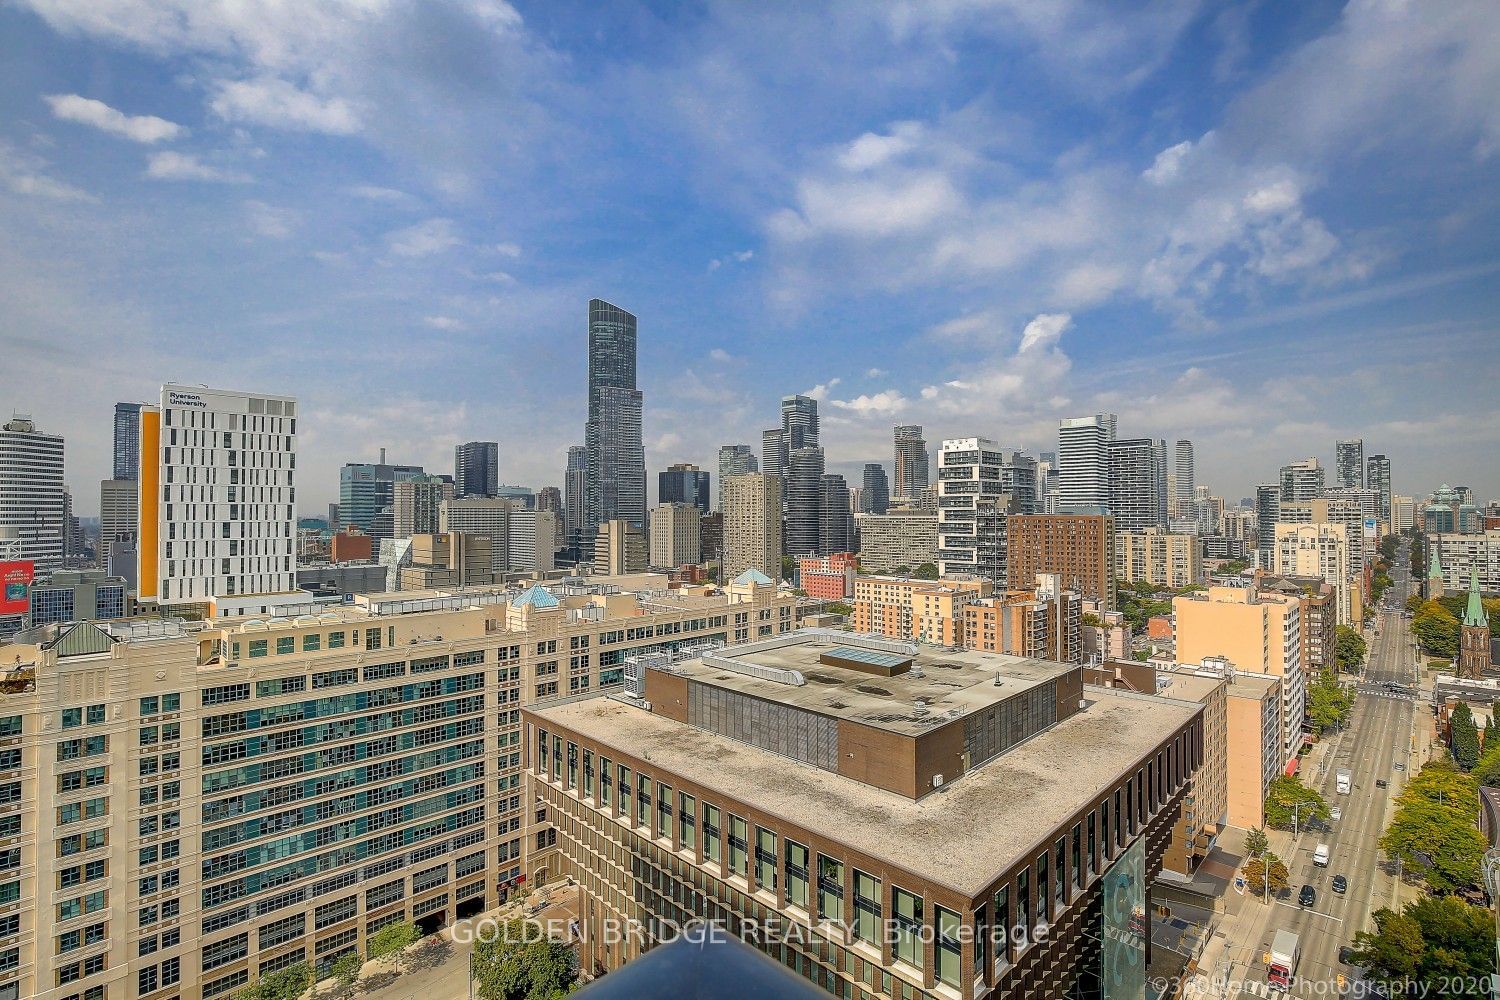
column 1022, row 929
column 1002, row 925
column 226, row 693
column 664, row 812
column 606, row 780
column 311, row 643
column 1060, row 871
column 1078, row 855
column 907, row 911
column 10, row 725
column 866, row 908
column 687, row 821
column 948, row 946
column 711, row 847
column 765, row 859
column 796, row 874
column 286, row 644
column 830, row 889
column 739, row 846
column 257, row 648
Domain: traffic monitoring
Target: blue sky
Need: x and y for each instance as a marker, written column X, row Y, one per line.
column 1261, row 226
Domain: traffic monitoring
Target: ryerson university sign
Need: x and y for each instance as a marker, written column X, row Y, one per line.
column 185, row 399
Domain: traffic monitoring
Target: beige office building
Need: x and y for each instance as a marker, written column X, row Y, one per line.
column 1157, row 557
column 619, row 548
column 1403, row 514
column 119, row 515
column 418, row 505
column 898, row 538
column 481, row 515
column 676, row 538
column 189, row 806
column 752, row 526
column 1320, row 548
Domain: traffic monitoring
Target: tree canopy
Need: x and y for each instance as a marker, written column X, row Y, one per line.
column 1349, row 649
column 1433, row 832
column 392, row 939
column 519, row 962
column 1267, row 866
column 286, row 984
column 1463, row 737
column 1256, row 841
column 1329, row 703
column 1436, row 629
column 1437, row 941
column 1288, row 798
column 926, row 571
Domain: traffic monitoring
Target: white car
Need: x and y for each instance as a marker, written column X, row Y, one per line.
column 1336, row 814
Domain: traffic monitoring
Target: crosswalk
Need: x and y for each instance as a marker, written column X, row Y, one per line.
column 1382, row 693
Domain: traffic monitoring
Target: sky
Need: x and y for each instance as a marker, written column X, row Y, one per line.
column 1260, row 226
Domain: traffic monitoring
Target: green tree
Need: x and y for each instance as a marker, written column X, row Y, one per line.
column 392, row 939
column 1433, row 833
column 1233, row 567
column 1329, row 703
column 1393, row 954
column 287, row 984
column 1288, row 800
column 1436, row 629
column 1388, row 547
column 346, row 969
column 1463, row 737
column 1433, row 943
column 1349, row 649
column 1256, row 841
column 839, row 608
column 926, row 571
column 1258, row 870
column 519, row 962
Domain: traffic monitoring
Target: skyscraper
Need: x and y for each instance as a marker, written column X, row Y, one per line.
column 366, row 489
column 1350, row 460
column 1378, row 478
column 575, row 494
column 217, row 518
column 734, row 460
column 616, row 477
column 804, row 501
column 476, row 469
column 1018, row 477
column 837, row 520
column 418, row 504
column 1184, row 483
column 876, row 495
column 773, row 454
column 973, row 508
column 1267, row 513
column 1302, row 480
column 119, row 504
column 911, row 460
column 799, row 422
column 128, row 440
column 1138, row 483
column 752, row 526
column 31, row 491
column 1083, row 463
column 683, row 483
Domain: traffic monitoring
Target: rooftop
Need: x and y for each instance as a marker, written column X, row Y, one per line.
column 950, row 837
column 951, row 683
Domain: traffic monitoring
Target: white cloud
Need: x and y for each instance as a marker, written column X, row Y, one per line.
column 499, row 277
column 1168, row 163
column 511, row 250
column 169, row 165
column 96, row 114
column 872, row 150
column 881, row 404
column 424, row 239
column 874, row 373
column 270, row 221
column 374, row 192
column 738, row 257
column 820, row 391
column 446, row 323
column 272, row 101
column 721, row 356
column 24, row 174
column 741, row 256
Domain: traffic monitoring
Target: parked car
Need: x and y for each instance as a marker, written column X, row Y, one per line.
column 1340, row 884
column 1308, row 896
column 1345, row 953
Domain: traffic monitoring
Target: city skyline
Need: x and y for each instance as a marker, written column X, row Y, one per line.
column 153, row 231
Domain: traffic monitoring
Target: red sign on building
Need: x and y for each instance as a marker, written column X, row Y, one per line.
column 15, row 586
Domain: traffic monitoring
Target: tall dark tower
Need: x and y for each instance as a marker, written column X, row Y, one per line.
column 616, row 475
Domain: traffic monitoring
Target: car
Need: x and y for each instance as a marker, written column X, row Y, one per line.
column 1335, row 814
column 1400, row 765
column 1345, row 954
column 1379, row 782
column 1308, row 896
column 1340, row 884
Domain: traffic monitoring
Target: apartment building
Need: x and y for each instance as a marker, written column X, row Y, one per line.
column 1253, row 721
column 1158, row 557
column 916, row 610
column 676, row 533
column 190, row 806
column 855, row 817
column 898, row 538
column 828, row 578
column 1461, row 556
column 1078, row 547
column 1045, row 622
column 752, row 526
column 1319, row 604
column 1321, row 549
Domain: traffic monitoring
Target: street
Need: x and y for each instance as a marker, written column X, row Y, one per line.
column 1379, row 738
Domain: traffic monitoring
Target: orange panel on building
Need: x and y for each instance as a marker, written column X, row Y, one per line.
column 350, row 547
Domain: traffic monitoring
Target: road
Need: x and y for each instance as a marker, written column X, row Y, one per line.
column 1379, row 737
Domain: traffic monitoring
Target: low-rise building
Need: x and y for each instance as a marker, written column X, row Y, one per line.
column 1106, row 635
column 1045, row 622
column 921, row 610
column 350, row 545
column 828, row 578
column 71, row 595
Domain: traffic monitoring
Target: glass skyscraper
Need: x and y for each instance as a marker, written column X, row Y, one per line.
column 128, row 441
column 476, row 468
column 616, row 481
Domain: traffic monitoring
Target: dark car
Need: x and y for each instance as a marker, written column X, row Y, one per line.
column 1308, row 896
column 1379, row 782
column 1340, row 884
column 1345, row 953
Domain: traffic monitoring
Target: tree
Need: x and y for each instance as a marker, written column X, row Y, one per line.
column 346, row 969
column 1349, row 649
column 1393, row 953
column 1289, row 801
column 1233, row 567
column 519, row 962
column 1436, row 630
column 1329, row 703
column 287, row 984
column 1258, row 870
column 1091, row 620
column 392, row 939
column 1256, row 841
column 926, row 571
column 1433, row 944
column 839, row 608
column 1433, row 833
column 1463, row 737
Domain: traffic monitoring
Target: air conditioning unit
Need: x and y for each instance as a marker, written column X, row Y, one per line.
column 937, row 781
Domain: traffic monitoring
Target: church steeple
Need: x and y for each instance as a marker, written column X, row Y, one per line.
column 1435, row 587
column 1474, row 615
column 1474, row 634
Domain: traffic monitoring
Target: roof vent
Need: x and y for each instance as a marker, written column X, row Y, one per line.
column 915, row 671
column 920, row 707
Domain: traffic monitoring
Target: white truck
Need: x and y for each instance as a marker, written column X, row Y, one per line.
column 1282, row 969
column 1345, row 780
column 1320, row 856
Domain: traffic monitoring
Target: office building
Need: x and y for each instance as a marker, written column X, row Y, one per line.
column 804, row 501
column 476, row 469
column 711, row 810
column 367, row 489
column 549, row 499
column 1043, row 622
column 1157, row 557
column 827, row 578
column 773, row 452
column 1320, row 549
column 836, row 522
column 911, row 461
column 799, row 422
column 973, row 506
column 1253, row 633
column 32, row 493
column 619, row 549
column 1084, row 463
column 1046, row 483
column 444, row 560
column 418, row 504
column 119, row 514
column 683, row 483
column 79, row 595
column 575, row 494
column 532, row 540
column 1378, row 478
column 1302, row 480
column 127, row 441
column 752, row 526
column 1077, row 547
column 734, row 460
column 1138, row 483
column 875, row 490
column 616, row 476
column 1349, row 461
column 676, row 535
column 476, row 516
column 899, row 538
column 217, row 507
column 1403, row 514
column 1447, row 512
column 1183, row 478
column 711, row 534
column 1267, row 513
